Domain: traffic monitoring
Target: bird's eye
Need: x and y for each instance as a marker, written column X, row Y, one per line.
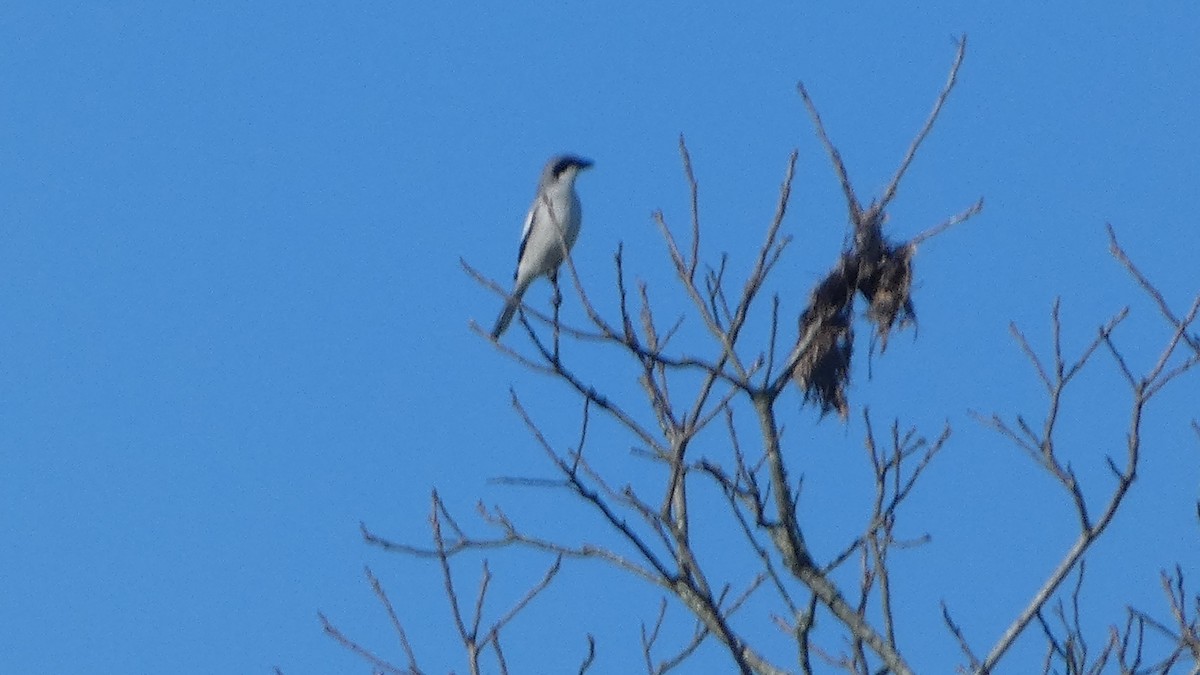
column 561, row 166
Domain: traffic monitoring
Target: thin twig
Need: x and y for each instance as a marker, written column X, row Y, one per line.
column 950, row 222
column 889, row 193
column 363, row 652
column 396, row 625
column 839, row 167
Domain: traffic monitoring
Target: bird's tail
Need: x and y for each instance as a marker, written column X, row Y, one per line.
column 510, row 309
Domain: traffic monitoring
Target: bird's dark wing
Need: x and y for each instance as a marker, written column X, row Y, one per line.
column 525, row 231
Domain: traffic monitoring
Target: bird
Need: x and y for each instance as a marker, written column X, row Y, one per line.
column 551, row 228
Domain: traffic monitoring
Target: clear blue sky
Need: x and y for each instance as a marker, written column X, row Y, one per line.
column 234, row 322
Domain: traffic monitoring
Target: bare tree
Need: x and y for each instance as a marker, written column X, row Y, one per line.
column 695, row 397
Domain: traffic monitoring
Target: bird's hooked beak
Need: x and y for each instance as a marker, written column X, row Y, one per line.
column 584, row 163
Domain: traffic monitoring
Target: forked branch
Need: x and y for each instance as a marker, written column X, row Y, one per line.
column 1042, row 447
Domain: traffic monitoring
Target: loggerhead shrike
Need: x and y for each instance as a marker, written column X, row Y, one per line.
column 551, row 228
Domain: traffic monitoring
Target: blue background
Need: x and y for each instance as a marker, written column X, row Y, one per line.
column 234, row 324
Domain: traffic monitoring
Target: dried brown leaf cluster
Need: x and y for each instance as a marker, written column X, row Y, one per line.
column 882, row 273
column 823, row 371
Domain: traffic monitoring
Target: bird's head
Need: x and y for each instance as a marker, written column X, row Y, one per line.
column 562, row 169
